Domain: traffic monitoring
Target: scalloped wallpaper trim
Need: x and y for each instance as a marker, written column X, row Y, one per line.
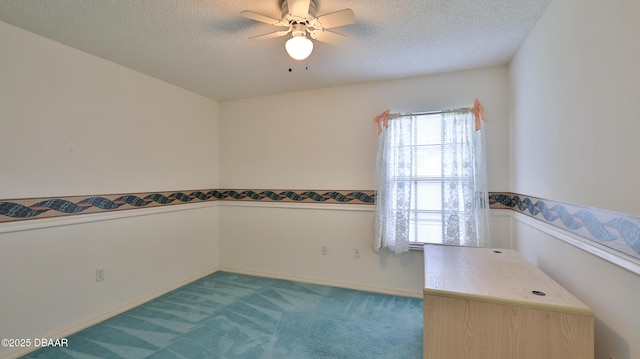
column 617, row 231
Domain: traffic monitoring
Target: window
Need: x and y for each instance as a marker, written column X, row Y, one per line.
column 431, row 181
column 426, row 181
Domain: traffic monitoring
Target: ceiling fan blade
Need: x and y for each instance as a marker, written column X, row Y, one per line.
column 299, row 8
column 259, row 17
column 271, row 35
column 328, row 37
column 336, row 19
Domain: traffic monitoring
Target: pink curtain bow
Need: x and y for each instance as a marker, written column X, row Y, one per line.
column 382, row 120
column 478, row 111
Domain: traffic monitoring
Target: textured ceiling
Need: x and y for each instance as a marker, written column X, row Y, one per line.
column 203, row 46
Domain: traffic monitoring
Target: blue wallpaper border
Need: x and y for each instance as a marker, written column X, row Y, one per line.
column 48, row 207
column 617, row 231
column 614, row 230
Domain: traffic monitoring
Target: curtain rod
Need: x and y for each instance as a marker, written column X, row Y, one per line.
column 461, row 109
column 477, row 110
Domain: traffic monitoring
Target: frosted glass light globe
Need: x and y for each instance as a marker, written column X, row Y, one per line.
column 299, row 47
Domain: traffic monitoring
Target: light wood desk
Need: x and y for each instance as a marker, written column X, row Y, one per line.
column 482, row 303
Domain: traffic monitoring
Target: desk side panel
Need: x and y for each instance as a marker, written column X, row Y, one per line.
column 467, row 329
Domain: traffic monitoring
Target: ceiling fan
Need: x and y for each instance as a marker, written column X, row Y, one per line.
column 299, row 19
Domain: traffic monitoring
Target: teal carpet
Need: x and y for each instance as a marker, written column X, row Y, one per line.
column 227, row 315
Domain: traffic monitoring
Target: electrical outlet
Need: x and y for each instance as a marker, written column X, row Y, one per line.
column 356, row 253
column 99, row 275
column 325, row 251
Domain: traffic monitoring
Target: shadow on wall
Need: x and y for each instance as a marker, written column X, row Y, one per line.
column 406, row 259
column 614, row 340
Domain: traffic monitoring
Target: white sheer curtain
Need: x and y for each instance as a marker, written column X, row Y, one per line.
column 464, row 198
column 394, row 171
column 465, row 212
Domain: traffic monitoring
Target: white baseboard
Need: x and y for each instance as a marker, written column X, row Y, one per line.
column 76, row 327
column 331, row 283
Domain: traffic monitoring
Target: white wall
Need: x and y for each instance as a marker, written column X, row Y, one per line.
column 326, row 140
column 574, row 128
column 74, row 124
column 575, row 93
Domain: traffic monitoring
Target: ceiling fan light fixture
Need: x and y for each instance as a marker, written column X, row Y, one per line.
column 299, row 19
column 299, row 47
